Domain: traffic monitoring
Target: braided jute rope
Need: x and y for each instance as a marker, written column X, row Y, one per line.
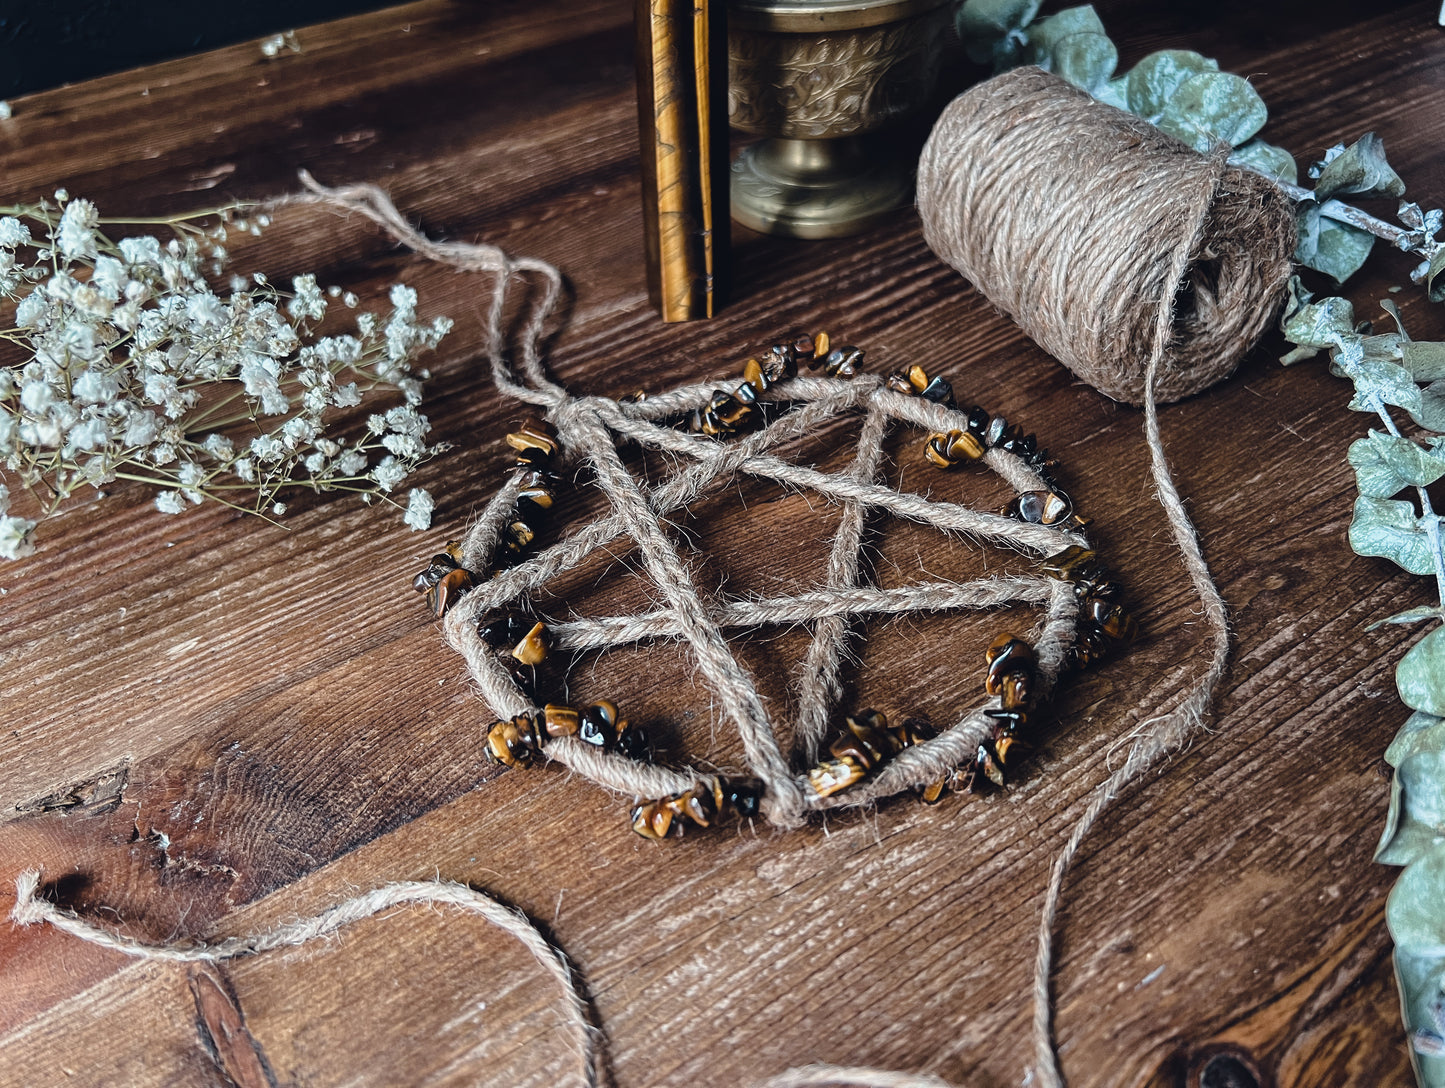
column 592, row 422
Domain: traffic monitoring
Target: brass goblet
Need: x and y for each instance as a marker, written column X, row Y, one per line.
column 818, row 79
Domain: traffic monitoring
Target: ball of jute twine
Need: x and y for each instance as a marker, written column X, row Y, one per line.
column 1067, row 214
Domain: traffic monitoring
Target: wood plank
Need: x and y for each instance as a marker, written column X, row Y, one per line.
column 235, row 724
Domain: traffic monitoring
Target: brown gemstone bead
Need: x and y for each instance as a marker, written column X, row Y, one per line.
column 917, row 378
column 533, row 435
column 933, row 792
column 447, row 589
column 1040, row 507
column 1090, row 645
column 1017, row 689
column 936, row 449
column 1113, row 621
column 1005, row 655
column 652, row 820
column 697, row 806
column 899, row 383
column 515, row 741
column 1069, row 565
column 912, row 731
column 991, row 765
column 535, row 490
column 804, row 345
column 821, row 344
column 561, row 721
column 517, row 536
column 532, row 649
column 842, row 362
column 598, row 725
column 964, row 445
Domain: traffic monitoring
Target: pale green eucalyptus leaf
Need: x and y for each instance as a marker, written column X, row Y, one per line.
column 1416, row 817
column 1264, row 158
column 1386, row 464
column 1413, row 909
column 1377, row 381
column 1315, row 325
column 1360, row 170
column 1047, row 33
column 1425, row 359
column 1411, row 615
column 1387, row 850
column 1421, row 732
column 1336, row 249
column 1419, row 814
column 984, row 24
column 1388, row 305
column 1390, row 529
column 1420, row 675
column 1114, row 93
column 1211, row 108
column 1419, row 979
column 1431, row 412
column 1434, row 284
column 1085, row 60
column 1152, row 82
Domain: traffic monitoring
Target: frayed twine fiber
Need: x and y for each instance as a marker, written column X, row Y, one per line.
column 1067, row 215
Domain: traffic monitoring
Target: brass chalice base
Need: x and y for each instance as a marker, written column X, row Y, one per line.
column 816, row 188
column 815, row 78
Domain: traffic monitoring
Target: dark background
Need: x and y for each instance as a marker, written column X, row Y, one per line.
column 44, row 43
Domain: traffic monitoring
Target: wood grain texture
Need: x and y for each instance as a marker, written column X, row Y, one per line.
column 212, row 725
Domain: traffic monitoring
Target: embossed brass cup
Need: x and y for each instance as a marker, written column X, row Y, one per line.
column 817, row 78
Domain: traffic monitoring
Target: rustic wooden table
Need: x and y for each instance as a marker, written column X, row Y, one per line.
column 212, row 724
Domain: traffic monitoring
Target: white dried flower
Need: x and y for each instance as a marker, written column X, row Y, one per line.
column 419, row 508
column 135, row 365
column 389, row 473
column 15, row 537
column 13, row 232
column 75, row 237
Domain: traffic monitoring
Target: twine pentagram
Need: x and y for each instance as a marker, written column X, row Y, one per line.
column 590, row 429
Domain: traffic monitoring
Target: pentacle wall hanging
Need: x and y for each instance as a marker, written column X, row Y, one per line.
column 486, row 588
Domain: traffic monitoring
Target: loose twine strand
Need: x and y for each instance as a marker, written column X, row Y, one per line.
column 588, row 424
column 30, row 909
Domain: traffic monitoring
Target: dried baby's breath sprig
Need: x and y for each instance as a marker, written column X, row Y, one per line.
column 120, row 361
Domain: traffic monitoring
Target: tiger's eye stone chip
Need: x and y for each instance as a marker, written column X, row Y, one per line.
column 964, row 445
column 534, row 439
column 533, row 647
column 1112, row 619
column 561, row 721
column 1069, row 564
column 753, row 375
column 898, row 382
